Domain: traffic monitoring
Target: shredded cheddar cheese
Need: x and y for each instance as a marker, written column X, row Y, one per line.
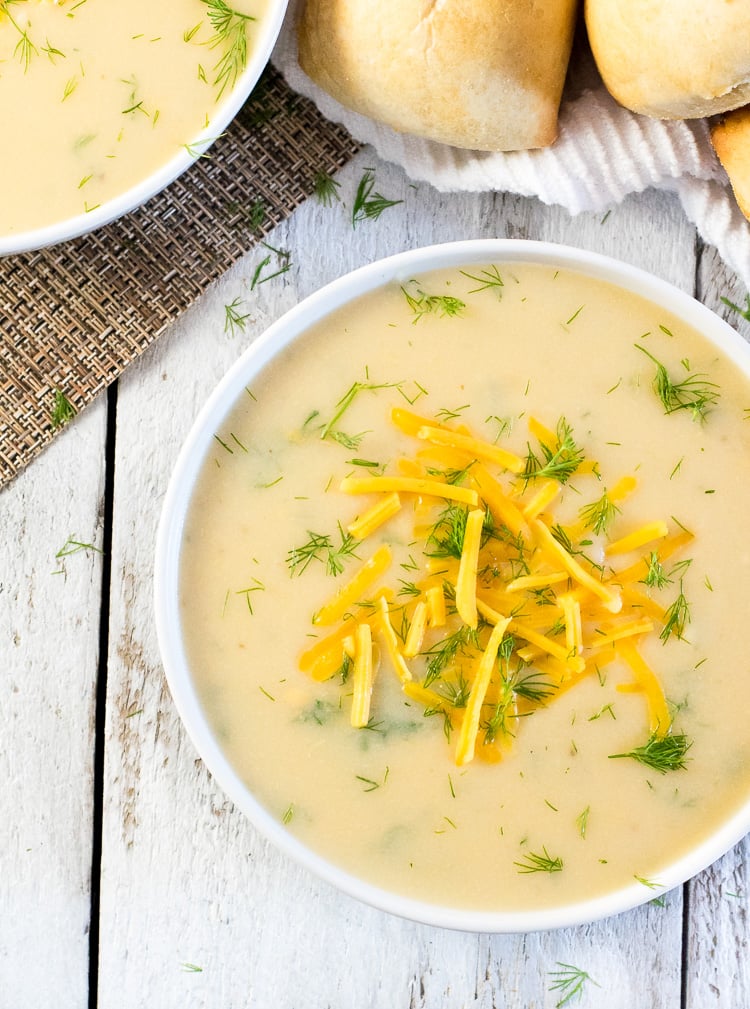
column 502, row 587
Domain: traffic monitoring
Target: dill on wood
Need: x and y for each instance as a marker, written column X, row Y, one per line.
column 369, row 205
column 235, row 319
column 695, row 393
column 744, row 312
column 569, row 982
column 662, row 754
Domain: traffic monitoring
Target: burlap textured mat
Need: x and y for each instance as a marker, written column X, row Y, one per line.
column 74, row 316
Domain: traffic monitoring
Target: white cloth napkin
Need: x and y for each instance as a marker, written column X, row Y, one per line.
column 603, row 152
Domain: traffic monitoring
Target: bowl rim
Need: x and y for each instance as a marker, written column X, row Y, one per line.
column 136, row 195
column 401, row 268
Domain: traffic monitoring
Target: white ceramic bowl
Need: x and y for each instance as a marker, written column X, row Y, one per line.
column 289, row 328
column 62, row 231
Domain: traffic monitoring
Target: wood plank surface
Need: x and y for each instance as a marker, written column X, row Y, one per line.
column 49, row 649
column 197, row 909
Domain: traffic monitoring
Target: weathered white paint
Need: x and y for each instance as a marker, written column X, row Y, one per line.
column 49, row 644
column 186, row 880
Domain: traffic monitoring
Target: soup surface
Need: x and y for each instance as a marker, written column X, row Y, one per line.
column 565, row 710
column 97, row 95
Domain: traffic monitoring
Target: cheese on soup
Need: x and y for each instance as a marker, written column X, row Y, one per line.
column 462, row 583
column 97, row 95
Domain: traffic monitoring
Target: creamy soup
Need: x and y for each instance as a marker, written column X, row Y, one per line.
column 462, row 584
column 97, row 95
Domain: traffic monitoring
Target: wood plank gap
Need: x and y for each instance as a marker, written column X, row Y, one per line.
column 101, row 697
column 685, row 957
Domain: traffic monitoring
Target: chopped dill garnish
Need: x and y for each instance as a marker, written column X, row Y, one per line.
column 650, row 883
column 256, row 587
column 487, row 279
column 369, row 784
column 409, row 589
column 559, row 463
column 575, row 315
column 368, row 205
column 442, row 654
column 230, row 35
column 433, row 304
column 320, row 547
column 192, row 968
column 74, row 546
column 662, row 754
column 744, row 312
column 582, row 822
column 288, row 813
column 539, row 862
column 656, row 576
column 569, row 981
column 350, row 441
column 446, row 538
column 235, row 320
column 445, row 413
column 599, row 515
column 532, row 686
column 325, row 188
column 348, row 398
column 676, row 618
column 62, row 410
column 694, row 393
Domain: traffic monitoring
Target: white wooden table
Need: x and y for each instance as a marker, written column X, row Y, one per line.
column 127, row 879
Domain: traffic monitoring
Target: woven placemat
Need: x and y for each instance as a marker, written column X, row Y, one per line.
column 74, row 316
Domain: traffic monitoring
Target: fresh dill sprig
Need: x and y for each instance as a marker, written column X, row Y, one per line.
column 62, row 410
column 325, row 189
column 599, row 515
column 662, row 754
column 348, row 398
column 441, row 305
column 320, row 547
column 558, row 463
column 25, row 49
column 446, row 538
column 488, row 279
column 230, row 35
column 235, row 320
column 676, row 618
column 442, row 654
column 531, row 685
column 539, row 862
column 455, row 692
column 694, row 393
column 569, row 981
column 369, row 205
column 656, row 576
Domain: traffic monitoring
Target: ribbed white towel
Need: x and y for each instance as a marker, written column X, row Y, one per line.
column 603, row 152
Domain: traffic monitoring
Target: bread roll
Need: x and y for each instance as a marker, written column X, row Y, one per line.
column 673, row 59
column 481, row 74
column 731, row 140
